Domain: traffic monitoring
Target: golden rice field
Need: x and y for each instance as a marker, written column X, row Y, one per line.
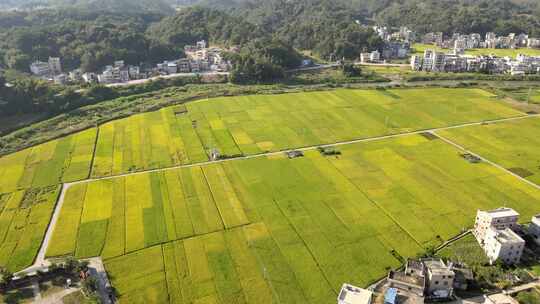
column 244, row 125
column 265, row 229
column 299, row 228
column 63, row 160
column 24, row 217
column 514, row 145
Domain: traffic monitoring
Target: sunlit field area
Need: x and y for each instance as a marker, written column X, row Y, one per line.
column 514, row 144
column 299, row 227
column 235, row 126
column 63, row 160
column 24, row 217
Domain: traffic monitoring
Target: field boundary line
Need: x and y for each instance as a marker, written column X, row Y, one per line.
column 494, row 164
column 171, row 241
column 40, row 260
column 313, row 147
column 213, row 199
column 305, row 245
column 377, row 205
column 65, row 186
column 188, row 210
column 91, row 169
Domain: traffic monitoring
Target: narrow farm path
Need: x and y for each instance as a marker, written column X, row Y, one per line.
column 307, row 148
column 41, row 261
column 460, row 147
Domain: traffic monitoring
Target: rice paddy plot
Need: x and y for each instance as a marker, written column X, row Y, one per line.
column 277, row 122
column 513, row 144
column 62, row 160
column 151, row 140
column 117, row 216
column 428, row 188
column 248, row 125
column 241, row 265
column 24, row 217
column 319, row 220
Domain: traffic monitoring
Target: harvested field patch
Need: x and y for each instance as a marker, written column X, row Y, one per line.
column 429, row 136
column 521, row 172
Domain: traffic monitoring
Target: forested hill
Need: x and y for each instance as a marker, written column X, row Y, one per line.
column 464, row 16
column 197, row 23
column 161, row 6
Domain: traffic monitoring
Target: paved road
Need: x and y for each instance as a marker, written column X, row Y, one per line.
column 521, row 288
column 41, row 261
column 333, row 65
column 177, row 75
column 56, row 298
column 487, row 160
column 360, row 140
column 97, row 270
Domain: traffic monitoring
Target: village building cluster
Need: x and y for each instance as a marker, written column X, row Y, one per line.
column 432, row 280
column 456, row 61
column 397, row 45
column 463, row 42
column 199, row 59
column 435, row 61
column 428, row 279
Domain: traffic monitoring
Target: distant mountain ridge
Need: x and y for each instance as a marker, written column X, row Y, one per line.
column 100, row 5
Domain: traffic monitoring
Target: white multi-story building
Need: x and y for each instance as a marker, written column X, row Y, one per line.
column 499, row 219
column 494, row 231
column 350, row 294
column 534, row 229
column 375, row 56
column 201, row 44
column 106, row 77
column 533, row 43
column 55, row 66
column 89, row 77
column 440, row 278
column 433, row 61
column 503, row 245
column 416, row 63
column 40, row 68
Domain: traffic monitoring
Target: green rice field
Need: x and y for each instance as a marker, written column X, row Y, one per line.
column 63, row 160
column 255, row 124
column 245, row 125
column 513, row 145
column 24, row 217
column 298, row 228
column 265, row 229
